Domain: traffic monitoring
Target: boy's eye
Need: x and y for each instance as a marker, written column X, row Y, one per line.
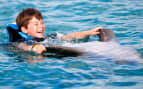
column 35, row 23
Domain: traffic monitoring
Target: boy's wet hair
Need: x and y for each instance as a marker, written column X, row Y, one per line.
column 26, row 15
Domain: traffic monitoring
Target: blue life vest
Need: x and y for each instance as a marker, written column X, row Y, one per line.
column 14, row 34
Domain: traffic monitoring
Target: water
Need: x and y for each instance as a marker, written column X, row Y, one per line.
column 22, row 70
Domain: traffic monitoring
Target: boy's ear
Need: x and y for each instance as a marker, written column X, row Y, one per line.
column 23, row 29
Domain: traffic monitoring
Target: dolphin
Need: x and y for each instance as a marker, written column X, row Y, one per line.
column 107, row 46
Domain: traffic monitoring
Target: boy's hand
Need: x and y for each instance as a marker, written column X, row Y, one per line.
column 94, row 31
column 82, row 34
column 38, row 48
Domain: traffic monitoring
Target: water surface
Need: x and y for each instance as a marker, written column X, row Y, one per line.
column 22, row 70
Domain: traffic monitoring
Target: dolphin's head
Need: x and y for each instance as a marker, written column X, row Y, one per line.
column 107, row 35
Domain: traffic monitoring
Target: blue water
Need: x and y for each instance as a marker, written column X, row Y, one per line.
column 21, row 70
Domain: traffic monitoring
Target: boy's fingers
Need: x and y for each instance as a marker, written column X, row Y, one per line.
column 97, row 29
column 39, row 48
column 97, row 32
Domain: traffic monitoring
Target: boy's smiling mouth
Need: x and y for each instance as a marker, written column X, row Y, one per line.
column 40, row 31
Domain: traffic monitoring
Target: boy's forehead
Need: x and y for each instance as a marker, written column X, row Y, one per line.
column 34, row 19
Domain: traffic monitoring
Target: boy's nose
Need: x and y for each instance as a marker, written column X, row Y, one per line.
column 41, row 27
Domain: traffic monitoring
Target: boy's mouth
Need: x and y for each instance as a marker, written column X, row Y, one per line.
column 40, row 32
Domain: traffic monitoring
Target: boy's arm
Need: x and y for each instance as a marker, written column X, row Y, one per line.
column 38, row 48
column 83, row 34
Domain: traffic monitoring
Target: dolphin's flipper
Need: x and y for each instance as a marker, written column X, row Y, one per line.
column 107, row 35
column 62, row 51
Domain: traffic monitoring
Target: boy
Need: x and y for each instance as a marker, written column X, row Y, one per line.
column 30, row 22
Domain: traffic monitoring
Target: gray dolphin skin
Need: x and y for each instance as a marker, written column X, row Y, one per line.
column 62, row 51
column 106, row 35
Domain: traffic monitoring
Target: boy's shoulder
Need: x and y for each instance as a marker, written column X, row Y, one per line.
column 14, row 34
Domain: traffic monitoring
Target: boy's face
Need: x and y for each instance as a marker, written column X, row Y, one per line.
column 35, row 28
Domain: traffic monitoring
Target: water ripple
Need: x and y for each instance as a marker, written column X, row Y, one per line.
column 124, row 17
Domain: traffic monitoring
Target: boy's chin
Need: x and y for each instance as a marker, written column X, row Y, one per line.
column 39, row 36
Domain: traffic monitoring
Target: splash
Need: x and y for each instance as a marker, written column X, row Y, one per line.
column 110, row 50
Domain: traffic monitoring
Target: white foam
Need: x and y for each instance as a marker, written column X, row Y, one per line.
column 108, row 49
